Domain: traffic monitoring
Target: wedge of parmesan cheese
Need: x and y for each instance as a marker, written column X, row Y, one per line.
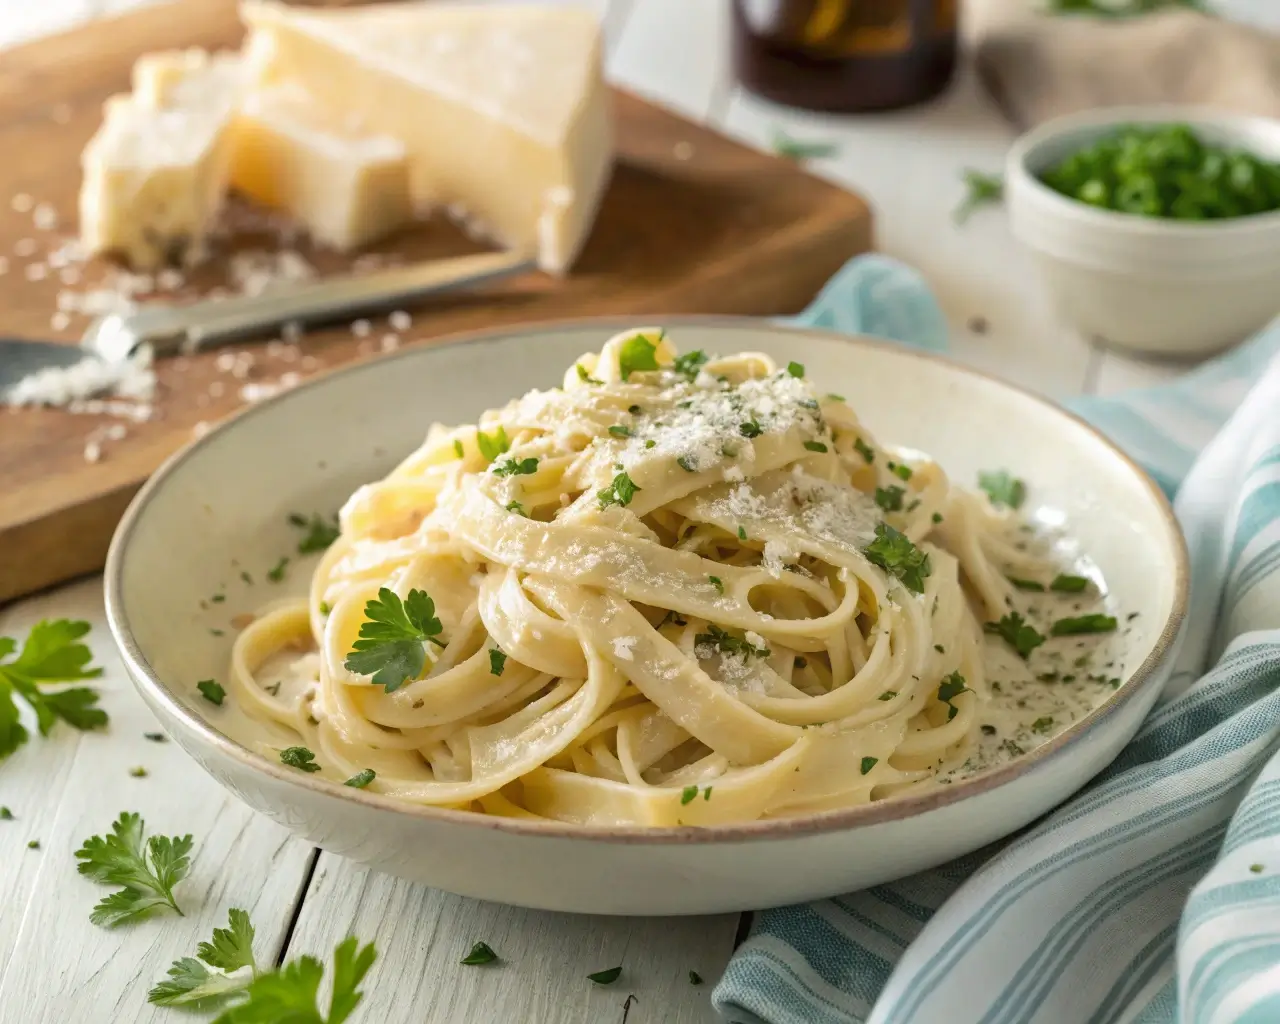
column 156, row 170
column 346, row 186
column 502, row 109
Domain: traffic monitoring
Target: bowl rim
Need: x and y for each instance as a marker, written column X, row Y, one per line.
column 1019, row 173
column 159, row 695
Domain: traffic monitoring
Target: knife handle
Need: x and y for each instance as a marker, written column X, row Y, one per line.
column 213, row 322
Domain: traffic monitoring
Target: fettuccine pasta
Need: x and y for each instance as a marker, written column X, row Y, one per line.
column 676, row 590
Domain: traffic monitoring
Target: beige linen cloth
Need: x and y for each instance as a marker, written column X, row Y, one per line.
column 1039, row 66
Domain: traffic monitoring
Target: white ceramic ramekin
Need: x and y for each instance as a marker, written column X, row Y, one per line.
column 1178, row 288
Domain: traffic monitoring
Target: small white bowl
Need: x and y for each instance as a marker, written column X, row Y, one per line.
column 1177, row 288
column 220, row 507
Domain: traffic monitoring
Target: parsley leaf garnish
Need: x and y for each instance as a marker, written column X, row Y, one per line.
column 619, row 492
column 868, row 763
column 900, row 471
column 517, row 508
column 211, row 691
column 190, row 982
column 320, row 532
column 865, row 450
column 148, row 873
column 492, row 445
column 299, row 757
column 584, row 375
column 1027, row 584
column 718, row 583
column 896, row 555
column 51, row 654
column 795, row 369
column 516, row 467
column 361, row 778
column 291, row 993
column 689, row 364
column 980, row 188
column 1015, row 631
column 686, row 463
column 497, row 661
column 637, row 353
column 1082, row 624
column 688, row 794
column 950, row 688
column 1065, row 584
column 611, row 975
column 1003, row 489
column 481, row 953
column 751, row 428
column 391, row 638
column 815, row 446
column 5, row 813
column 726, row 643
column 890, row 498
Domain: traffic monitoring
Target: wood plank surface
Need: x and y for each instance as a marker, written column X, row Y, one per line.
column 692, row 222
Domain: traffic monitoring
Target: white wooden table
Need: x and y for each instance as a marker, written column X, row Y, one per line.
column 56, row 966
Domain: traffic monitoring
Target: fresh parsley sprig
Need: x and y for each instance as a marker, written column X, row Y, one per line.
column 52, row 653
column 391, row 638
column 249, row 995
column 191, row 983
column 726, row 643
column 690, row 364
column 148, row 873
column 515, row 467
column 619, row 492
column 949, row 689
column 638, row 354
column 493, row 445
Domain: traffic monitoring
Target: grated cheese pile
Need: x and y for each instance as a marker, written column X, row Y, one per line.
column 131, row 379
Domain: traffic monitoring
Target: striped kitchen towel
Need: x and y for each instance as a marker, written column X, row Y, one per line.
column 1154, row 895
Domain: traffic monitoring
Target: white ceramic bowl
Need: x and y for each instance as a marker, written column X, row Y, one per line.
column 221, row 506
column 1174, row 288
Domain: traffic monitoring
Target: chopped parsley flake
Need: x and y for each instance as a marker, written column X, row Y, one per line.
column 726, row 643
column 517, row 508
column 651, row 443
column 638, row 353
column 1042, row 725
column 619, row 492
column 890, row 498
column 299, row 757
column 5, row 814
column 325, row 608
column 900, row 471
column 795, row 369
column 321, row 532
column 868, row 763
column 1065, row 584
column 218, row 598
column 688, row 794
column 1082, row 624
column 1027, row 584
column 618, row 430
column 686, row 463
column 865, row 450
column 815, row 446
column 888, row 695
column 276, row 573
column 481, row 953
column 584, row 376
column 1003, row 489
column 1017, row 633
column 606, row 977
column 458, row 450
column 742, row 533
column 893, row 552
column 949, row 689
column 751, row 428
column 516, row 467
column 361, row 779
column 937, row 517
column 493, row 445
column 689, row 364
column 497, row 661
column 695, row 978
column 717, row 583
column 211, row 691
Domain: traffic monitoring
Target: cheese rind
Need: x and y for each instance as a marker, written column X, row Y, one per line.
column 502, row 109
column 156, row 170
column 347, row 187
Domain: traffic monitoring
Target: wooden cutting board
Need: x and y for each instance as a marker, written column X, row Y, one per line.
column 692, row 222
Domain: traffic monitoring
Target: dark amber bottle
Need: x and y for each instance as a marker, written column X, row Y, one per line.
column 845, row 55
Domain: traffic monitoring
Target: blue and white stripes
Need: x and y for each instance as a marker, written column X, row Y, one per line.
column 1154, row 895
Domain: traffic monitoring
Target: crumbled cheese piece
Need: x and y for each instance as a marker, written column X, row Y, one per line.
column 622, row 647
column 131, row 379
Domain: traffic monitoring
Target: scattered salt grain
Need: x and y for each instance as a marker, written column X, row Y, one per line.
column 361, row 328
column 217, row 389
column 69, row 275
column 400, row 320
column 390, row 342
column 44, row 217
column 36, row 271
column 61, row 113
column 682, row 151
column 170, row 280
column 131, row 378
column 22, row 203
column 4, row 265
column 200, row 429
column 59, row 321
column 25, row 247
column 291, row 332
column 310, row 363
